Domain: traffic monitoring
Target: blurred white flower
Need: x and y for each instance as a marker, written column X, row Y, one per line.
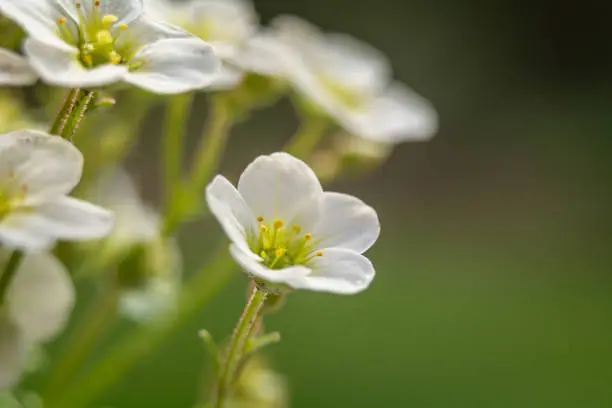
column 38, row 304
column 286, row 230
column 15, row 70
column 226, row 24
column 135, row 221
column 37, row 171
column 348, row 80
column 91, row 43
column 153, row 263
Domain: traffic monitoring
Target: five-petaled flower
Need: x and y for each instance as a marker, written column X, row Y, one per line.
column 286, row 231
column 92, row 43
column 37, row 171
column 349, row 81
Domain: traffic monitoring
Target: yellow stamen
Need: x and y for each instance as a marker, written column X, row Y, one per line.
column 87, row 60
column 319, row 253
column 104, row 37
column 61, row 20
column 307, row 236
column 114, row 58
column 108, row 20
column 278, row 224
column 296, row 228
column 260, row 219
column 123, row 27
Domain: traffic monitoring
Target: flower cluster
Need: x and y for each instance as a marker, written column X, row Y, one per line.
column 285, row 231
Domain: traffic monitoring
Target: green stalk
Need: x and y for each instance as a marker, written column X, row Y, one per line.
column 305, row 140
column 205, row 162
column 65, row 112
column 175, row 126
column 234, row 355
column 10, row 270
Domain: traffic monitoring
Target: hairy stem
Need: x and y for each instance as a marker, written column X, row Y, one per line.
column 235, row 351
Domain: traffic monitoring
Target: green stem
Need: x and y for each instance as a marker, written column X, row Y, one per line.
column 10, row 270
column 305, row 140
column 64, row 114
column 234, row 354
column 96, row 320
column 205, row 162
column 127, row 352
column 175, row 126
column 84, row 99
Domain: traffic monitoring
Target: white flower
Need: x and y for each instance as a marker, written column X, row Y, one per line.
column 350, row 81
column 286, row 230
column 135, row 222
column 226, row 24
column 91, row 43
column 37, row 171
column 38, row 304
column 15, row 70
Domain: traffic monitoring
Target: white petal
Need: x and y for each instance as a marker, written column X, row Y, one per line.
column 46, row 166
column 143, row 31
column 13, row 354
column 65, row 218
column 37, row 17
column 135, row 222
column 232, row 212
column 228, row 78
column 60, row 66
column 277, row 186
column 265, row 54
column 226, row 23
column 41, row 297
column 397, row 116
column 343, row 221
column 15, row 69
column 340, row 271
column 175, row 66
column 125, row 10
column 13, row 236
column 293, row 276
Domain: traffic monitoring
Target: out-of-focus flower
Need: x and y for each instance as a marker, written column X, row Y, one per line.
column 149, row 265
column 38, row 304
column 350, row 82
column 286, row 231
column 37, row 171
column 259, row 386
column 14, row 115
column 92, row 43
column 226, row 24
column 15, row 70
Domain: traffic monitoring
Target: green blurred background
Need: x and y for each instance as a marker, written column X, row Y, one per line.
column 494, row 272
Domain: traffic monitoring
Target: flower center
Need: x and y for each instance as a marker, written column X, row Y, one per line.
column 11, row 195
column 94, row 36
column 281, row 246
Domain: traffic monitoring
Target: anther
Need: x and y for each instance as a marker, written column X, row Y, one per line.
column 114, row 58
column 108, row 20
column 319, row 253
column 104, row 37
column 260, row 219
column 278, row 224
column 296, row 229
column 97, row 3
column 263, row 228
column 280, row 252
column 123, row 27
column 61, row 20
column 308, row 236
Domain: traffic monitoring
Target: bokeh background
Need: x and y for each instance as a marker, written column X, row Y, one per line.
column 494, row 285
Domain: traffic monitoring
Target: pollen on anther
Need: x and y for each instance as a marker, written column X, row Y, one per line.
column 97, row 3
column 280, row 252
column 263, row 228
column 296, row 229
column 308, row 236
column 319, row 253
column 260, row 219
column 123, row 27
column 61, row 20
column 278, row 224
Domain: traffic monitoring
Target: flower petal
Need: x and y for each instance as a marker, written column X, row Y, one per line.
column 60, row 66
column 13, row 354
column 173, row 66
column 125, row 10
column 46, row 166
column 277, row 186
column 293, row 276
column 15, row 70
column 232, row 212
column 37, row 17
column 340, row 271
column 41, row 297
column 397, row 116
column 343, row 221
column 64, row 218
column 143, row 31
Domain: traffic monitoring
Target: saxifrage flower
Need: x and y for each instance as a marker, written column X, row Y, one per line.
column 91, row 43
column 37, row 171
column 287, row 232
